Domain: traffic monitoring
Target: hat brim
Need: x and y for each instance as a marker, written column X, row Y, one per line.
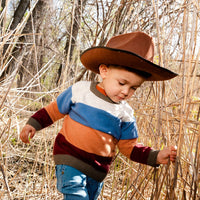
column 93, row 57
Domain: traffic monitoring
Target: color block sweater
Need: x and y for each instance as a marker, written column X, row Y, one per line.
column 92, row 128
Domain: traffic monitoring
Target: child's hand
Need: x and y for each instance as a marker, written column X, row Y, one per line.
column 166, row 154
column 27, row 132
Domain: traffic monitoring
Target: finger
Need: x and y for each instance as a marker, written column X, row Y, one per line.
column 173, row 152
column 32, row 133
column 173, row 157
column 174, row 148
column 24, row 137
column 25, row 140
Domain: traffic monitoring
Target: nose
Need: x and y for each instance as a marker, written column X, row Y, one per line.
column 125, row 91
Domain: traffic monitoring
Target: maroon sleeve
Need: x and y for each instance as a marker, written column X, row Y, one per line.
column 140, row 153
column 144, row 155
column 40, row 119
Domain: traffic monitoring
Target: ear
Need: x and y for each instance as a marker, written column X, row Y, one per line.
column 103, row 70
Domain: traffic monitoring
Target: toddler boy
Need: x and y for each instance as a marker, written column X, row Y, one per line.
column 97, row 117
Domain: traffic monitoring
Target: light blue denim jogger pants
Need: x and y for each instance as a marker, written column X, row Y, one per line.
column 75, row 185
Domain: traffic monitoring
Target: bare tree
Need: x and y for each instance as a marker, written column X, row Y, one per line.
column 32, row 44
column 18, row 15
column 73, row 29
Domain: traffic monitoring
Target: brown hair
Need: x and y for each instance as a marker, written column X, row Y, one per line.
column 143, row 74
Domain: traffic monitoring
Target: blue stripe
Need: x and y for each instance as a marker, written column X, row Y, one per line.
column 96, row 118
column 64, row 101
column 129, row 130
column 103, row 121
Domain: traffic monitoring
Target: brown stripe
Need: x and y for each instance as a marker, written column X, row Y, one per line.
column 34, row 123
column 153, row 158
column 85, row 168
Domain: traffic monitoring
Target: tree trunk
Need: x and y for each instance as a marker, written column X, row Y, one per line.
column 32, row 35
column 75, row 28
column 18, row 15
column 3, row 3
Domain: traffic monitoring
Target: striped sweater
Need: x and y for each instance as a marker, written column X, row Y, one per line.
column 92, row 128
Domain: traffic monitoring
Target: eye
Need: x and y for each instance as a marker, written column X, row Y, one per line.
column 121, row 83
column 134, row 88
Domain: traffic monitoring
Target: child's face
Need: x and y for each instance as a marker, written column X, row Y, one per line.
column 118, row 83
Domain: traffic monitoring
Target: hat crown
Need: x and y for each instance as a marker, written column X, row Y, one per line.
column 138, row 43
column 133, row 50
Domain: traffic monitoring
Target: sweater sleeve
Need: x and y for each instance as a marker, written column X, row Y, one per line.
column 137, row 152
column 45, row 116
column 53, row 112
column 145, row 155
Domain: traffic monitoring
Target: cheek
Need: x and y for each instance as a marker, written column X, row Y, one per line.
column 131, row 93
column 116, row 88
column 113, row 90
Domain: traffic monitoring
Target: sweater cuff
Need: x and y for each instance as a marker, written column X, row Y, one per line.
column 152, row 158
column 34, row 123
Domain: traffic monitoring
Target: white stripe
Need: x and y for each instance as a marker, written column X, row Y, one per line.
column 81, row 94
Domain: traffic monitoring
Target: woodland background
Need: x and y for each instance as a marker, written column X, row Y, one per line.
column 40, row 45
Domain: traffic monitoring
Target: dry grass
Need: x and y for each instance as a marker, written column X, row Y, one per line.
column 167, row 113
column 27, row 171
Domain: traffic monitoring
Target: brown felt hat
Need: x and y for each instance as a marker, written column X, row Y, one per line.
column 134, row 50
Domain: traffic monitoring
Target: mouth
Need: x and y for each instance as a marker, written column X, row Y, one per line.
column 121, row 98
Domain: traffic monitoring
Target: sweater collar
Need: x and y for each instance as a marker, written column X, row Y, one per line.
column 93, row 88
